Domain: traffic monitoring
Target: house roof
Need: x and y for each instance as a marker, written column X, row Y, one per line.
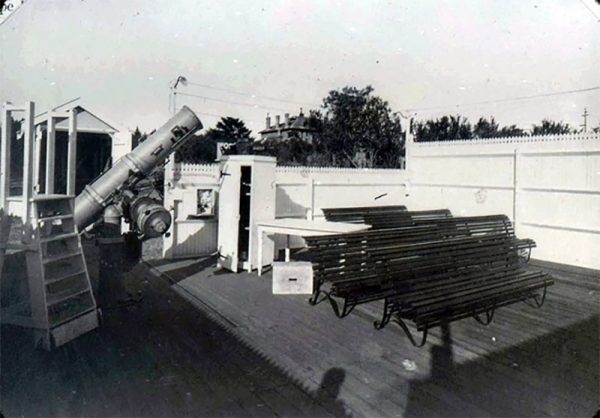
column 297, row 123
column 86, row 121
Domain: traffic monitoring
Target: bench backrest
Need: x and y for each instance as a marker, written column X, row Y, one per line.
column 399, row 219
column 412, row 264
column 454, row 243
column 357, row 214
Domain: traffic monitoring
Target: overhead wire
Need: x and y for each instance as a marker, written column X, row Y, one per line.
column 592, row 12
column 504, row 100
column 254, row 96
column 213, row 99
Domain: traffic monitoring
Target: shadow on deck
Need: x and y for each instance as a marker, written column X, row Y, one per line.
column 159, row 358
column 206, row 344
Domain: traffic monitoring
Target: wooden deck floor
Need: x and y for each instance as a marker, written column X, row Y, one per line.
column 202, row 343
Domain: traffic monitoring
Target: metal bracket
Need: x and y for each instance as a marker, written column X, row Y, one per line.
column 489, row 316
column 399, row 321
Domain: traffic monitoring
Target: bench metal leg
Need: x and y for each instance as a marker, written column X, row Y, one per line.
column 315, row 297
column 388, row 310
column 489, row 315
column 340, row 313
column 538, row 300
column 525, row 255
column 400, row 322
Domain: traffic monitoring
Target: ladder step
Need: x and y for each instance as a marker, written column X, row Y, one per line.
column 58, row 279
column 54, row 218
column 60, row 257
column 55, row 299
column 59, row 237
column 73, row 317
column 48, row 197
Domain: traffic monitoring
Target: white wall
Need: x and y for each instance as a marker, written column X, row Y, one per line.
column 121, row 145
column 189, row 237
column 549, row 186
column 303, row 191
column 300, row 192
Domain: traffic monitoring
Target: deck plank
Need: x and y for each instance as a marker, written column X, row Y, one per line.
column 208, row 344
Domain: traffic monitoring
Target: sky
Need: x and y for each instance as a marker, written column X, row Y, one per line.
column 249, row 58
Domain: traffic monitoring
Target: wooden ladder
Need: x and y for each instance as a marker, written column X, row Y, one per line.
column 61, row 298
column 4, row 234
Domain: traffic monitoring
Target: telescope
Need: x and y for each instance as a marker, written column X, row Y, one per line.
column 116, row 186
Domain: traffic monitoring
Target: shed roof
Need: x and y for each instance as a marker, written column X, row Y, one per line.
column 86, row 121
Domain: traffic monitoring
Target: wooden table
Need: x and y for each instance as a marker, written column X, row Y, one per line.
column 302, row 228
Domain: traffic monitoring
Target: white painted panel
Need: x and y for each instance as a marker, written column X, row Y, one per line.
column 562, row 246
column 560, row 171
column 331, row 196
column 194, row 238
column 574, row 210
column 229, row 217
column 462, row 201
column 292, row 201
column 465, row 170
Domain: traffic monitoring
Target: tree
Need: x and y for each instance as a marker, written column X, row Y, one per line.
column 486, row 128
column 548, row 127
column 294, row 151
column 512, row 130
column 446, row 128
column 230, row 129
column 203, row 149
column 352, row 121
column 137, row 137
column 198, row 150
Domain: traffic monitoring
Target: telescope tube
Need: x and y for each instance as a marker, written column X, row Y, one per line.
column 138, row 163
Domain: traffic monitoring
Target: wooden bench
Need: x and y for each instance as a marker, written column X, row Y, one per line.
column 337, row 256
column 399, row 219
column 426, row 273
column 357, row 214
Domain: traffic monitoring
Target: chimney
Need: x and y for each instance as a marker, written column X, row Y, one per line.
column 277, row 121
column 268, row 121
column 287, row 119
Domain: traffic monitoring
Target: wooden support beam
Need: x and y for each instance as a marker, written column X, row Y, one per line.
column 37, row 159
column 28, row 159
column 50, row 154
column 5, row 154
column 72, row 153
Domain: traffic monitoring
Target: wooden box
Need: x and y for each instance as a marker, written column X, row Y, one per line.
column 292, row 278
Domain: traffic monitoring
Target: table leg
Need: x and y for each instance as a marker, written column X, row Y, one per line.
column 287, row 248
column 260, row 249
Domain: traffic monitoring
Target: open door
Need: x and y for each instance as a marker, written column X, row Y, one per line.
column 229, row 216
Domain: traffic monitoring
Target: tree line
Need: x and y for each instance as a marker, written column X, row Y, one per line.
column 352, row 128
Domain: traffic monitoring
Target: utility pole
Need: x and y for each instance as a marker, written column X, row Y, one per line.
column 585, row 115
column 173, row 93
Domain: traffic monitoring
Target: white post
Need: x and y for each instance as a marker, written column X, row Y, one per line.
column 312, row 198
column 72, row 153
column 37, row 160
column 28, row 160
column 50, row 154
column 515, row 188
column 5, row 157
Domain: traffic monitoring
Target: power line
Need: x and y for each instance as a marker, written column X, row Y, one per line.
column 215, row 115
column 254, row 96
column 511, row 99
column 592, row 12
column 20, row 6
column 231, row 102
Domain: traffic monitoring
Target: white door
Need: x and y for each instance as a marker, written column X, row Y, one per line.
column 229, row 216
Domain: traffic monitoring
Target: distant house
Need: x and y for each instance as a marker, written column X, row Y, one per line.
column 292, row 127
